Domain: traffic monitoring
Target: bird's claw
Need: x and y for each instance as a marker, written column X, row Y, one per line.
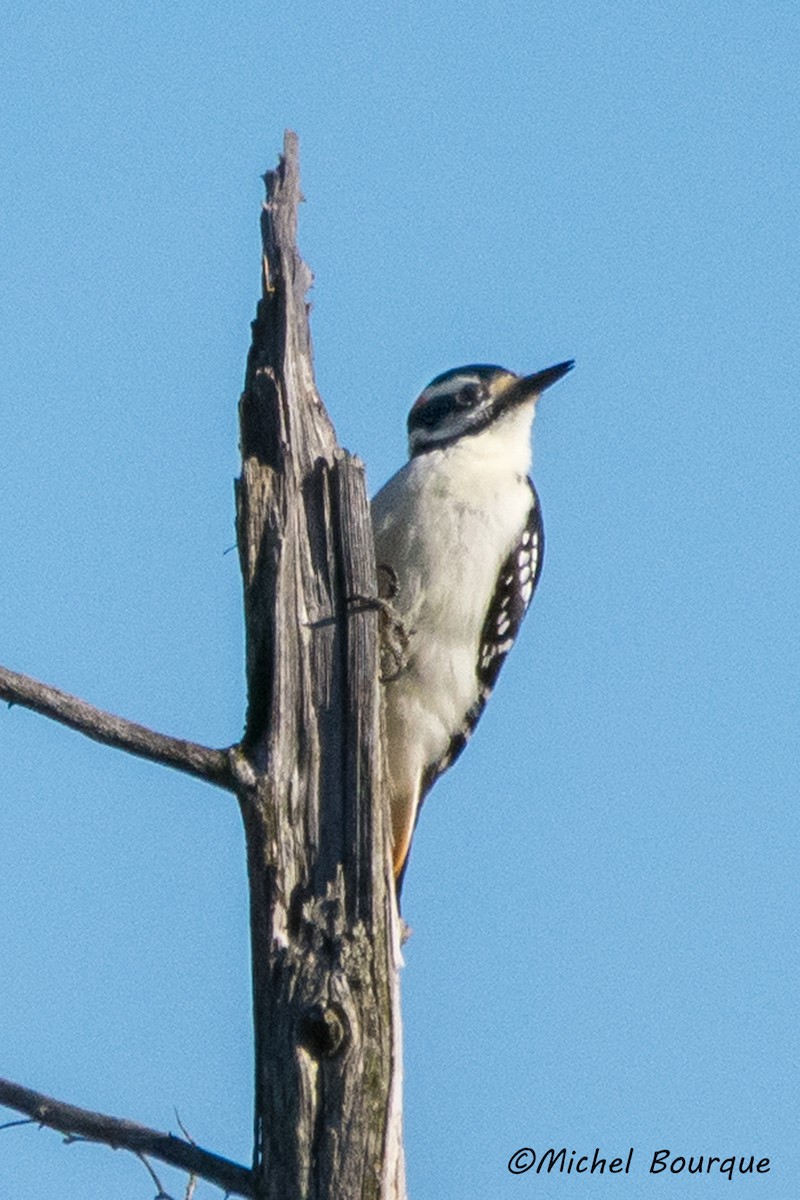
column 393, row 633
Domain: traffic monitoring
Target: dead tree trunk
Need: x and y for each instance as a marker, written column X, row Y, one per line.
column 324, row 928
column 323, row 918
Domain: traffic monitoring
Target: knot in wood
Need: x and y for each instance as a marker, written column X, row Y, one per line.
column 322, row 1030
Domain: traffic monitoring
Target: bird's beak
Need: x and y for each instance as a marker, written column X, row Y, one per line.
column 533, row 385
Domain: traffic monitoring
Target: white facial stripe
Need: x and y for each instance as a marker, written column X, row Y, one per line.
column 429, row 437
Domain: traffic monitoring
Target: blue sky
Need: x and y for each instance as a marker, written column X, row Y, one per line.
column 603, row 891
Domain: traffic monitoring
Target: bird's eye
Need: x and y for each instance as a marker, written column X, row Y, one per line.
column 468, row 395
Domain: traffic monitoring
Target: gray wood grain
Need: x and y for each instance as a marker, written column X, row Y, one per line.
column 323, row 916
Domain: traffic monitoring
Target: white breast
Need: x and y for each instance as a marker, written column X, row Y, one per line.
column 445, row 524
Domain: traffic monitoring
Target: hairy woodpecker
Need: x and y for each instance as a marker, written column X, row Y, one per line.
column 459, row 541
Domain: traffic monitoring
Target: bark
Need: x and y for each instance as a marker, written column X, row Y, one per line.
column 81, row 1124
column 308, row 777
column 323, row 916
column 216, row 766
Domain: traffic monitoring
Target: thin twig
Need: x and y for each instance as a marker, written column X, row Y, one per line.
column 127, row 1135
column 161, row 1194
column 183, row 1128
column 13, row 1124
column 211, row 765
column 192, row 1181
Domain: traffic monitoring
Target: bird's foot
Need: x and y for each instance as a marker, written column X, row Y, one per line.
column 394, row 635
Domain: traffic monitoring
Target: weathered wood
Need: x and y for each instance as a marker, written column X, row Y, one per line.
column 216, row 766
column 323, row 915
column 120, row 1134
column 308, row 777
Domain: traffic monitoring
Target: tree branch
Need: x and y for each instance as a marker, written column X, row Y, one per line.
column 215, row 766
column 127, row 1135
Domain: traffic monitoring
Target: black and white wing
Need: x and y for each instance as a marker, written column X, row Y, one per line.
column 516, row 584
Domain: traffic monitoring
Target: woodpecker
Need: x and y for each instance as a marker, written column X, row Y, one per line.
column 459, row 542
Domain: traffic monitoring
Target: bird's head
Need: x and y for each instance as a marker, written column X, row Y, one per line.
column 467, row 400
